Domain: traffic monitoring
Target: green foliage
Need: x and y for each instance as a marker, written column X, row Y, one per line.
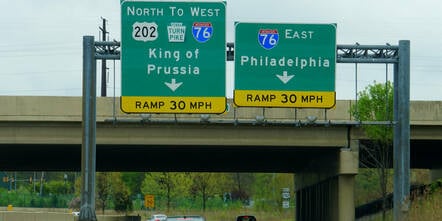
column 24, row 198
column 103, row 189
column 205, row 186
column 58, row 187
column 121, row 194
column 77, row 186
column 367, row 180
column 177, row 191
column 267, row 190
column 41, row 186
column 375, row 103
column 435, row 186
column 138, row 204
column 133, row 180
column 166, row 185
column 241, row 185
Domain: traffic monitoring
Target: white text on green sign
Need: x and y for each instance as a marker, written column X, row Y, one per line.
column 175, row 51
column 289, row 58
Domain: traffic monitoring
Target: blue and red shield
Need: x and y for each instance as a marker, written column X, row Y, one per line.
column 202, row 31
column 268, row 38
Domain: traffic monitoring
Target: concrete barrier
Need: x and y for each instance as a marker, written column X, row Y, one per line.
column 57, row 216
column 35, row 216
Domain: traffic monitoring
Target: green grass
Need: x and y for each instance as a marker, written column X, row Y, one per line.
column 427, row 207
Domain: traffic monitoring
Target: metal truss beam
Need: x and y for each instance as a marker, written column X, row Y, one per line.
column 344, row 53
column 367, row 54
column 352, row 53
column 107, row 50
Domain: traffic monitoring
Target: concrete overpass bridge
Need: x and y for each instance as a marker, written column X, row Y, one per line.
column 321, row 146
column 35, row 129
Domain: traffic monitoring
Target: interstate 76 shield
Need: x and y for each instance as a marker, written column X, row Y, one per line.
column 202, row 31
column 268, row 38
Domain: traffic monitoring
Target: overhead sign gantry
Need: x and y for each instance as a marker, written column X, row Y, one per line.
column 285, row 65
column 173, row 57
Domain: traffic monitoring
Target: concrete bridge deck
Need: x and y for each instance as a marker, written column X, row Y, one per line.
column 68, row 109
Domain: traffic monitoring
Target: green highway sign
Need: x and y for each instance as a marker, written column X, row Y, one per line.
column 285, row 65
column 173, row 57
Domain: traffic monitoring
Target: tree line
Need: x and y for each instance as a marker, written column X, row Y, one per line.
column 125, row 191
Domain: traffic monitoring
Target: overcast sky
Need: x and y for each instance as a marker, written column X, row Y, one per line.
column 41, row 41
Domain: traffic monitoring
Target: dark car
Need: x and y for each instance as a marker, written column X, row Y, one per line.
column 185, row 218
column 245, row 218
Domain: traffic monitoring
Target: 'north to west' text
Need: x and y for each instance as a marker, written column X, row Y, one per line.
column 173, row 11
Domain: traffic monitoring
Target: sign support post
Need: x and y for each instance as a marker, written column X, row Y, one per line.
column 88, row 148
column 401, row 139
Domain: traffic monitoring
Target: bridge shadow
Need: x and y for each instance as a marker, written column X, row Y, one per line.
column 179, row 158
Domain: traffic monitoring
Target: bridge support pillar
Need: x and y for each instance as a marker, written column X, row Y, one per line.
column 328, row 193
column 345, row 198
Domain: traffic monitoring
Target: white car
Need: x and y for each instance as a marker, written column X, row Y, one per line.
column 158, row 217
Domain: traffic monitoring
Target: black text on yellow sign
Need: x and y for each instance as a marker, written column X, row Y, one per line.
column 302, row 99
column 149, row 201
column 207, row 105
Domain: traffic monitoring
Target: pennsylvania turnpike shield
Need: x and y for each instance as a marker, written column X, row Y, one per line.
column 202, row 31
column 268, row 38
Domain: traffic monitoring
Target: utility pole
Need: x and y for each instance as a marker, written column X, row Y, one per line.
column 103, row 61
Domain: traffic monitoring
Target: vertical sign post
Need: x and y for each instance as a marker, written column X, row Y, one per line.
column 173, row 57
column 401, row 139
column 88, row 148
